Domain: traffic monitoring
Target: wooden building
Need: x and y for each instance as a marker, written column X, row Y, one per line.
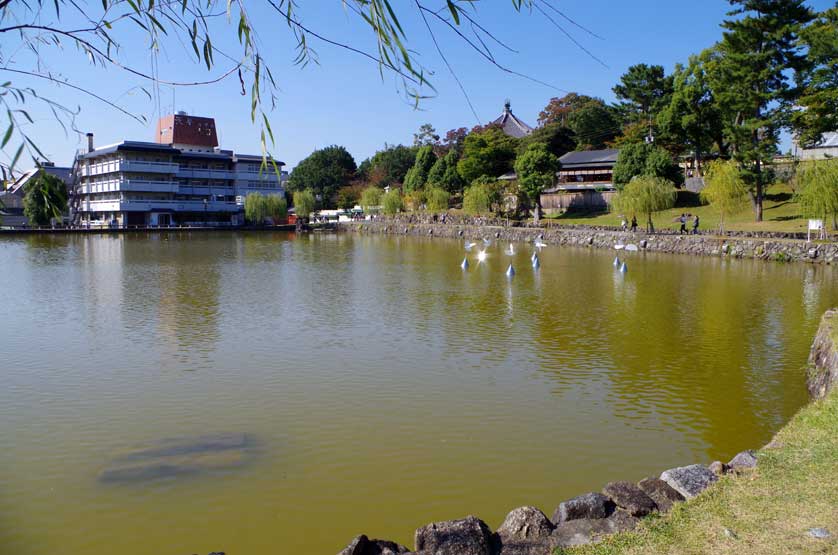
column 585, row 182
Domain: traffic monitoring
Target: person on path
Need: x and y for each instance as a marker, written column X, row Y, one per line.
column 633, row 224
column 683, row 220
column 623, row 223
column 695, row 225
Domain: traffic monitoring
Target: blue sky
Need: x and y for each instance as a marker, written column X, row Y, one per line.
column 344, row 100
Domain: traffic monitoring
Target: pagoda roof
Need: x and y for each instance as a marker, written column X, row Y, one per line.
column 510, row 124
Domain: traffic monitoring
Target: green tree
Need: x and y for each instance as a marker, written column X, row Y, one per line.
column 255, row 208
column 388, row 166
column 818, row 190
column 323, row 172
column 645, row 195
column 276, row 207
column 476, row 199
column 418, row 174
column 490, row 153
column 392, row 202
column 426, row 135
column 437, row 199
column 644, row 90
column 45, row 199
column 819, row 96
column 536, row 170
column 304, row 203
column 347, row 197
column 750, row 74
column 724, row 189
column 638, row 159
column 558, row 140
column 444, row 173
column 692, row 116
column 559, row 109
column 594, row 125
column 371, row 198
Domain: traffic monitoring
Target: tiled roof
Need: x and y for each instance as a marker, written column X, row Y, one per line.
column 828, row 140
column 604, row 158
column 511, row 125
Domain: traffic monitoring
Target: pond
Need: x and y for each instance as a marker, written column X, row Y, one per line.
column 253, row 393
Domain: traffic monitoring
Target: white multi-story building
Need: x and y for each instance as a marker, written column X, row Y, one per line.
column 182, row 178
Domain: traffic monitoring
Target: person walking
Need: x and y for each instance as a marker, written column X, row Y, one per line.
column 623, row 223
column 633, row 224
column 683, row 220
column 695, row 225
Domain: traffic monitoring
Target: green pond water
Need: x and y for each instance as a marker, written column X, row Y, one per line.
column 366, row 384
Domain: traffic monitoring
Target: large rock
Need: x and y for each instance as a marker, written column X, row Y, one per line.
column 689, row 481
column 630, row 497
column 589, row 505
column 661, row 493
column 467, row 536
column 362, row 545
column 525, row 531
column 743, row 460
column 588, row 530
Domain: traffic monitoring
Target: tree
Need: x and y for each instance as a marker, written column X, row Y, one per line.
column 724, row 189
column 437, row 199
column 750, row 74
column 323, row 172
column 557, row 139
column 276, row 207
column 418, row 174
column 371, row 198
column 819, row 79
column 645, row 195
column 389, row 165
column 487, row 153
column 638, row 159
column 644, row 90
column 392, row 202
column 304, row 203
column 594, row 125
column 477, row 199
column 426, row 135
column 559, row 109
column 692, row 116
column 348, row 196
column 45, row 199
column 818, row 190
column 444, row 173
column 453, row 140
column 536, row 170
column 255, row 208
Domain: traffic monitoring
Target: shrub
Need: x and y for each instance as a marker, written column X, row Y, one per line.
column 392, row 202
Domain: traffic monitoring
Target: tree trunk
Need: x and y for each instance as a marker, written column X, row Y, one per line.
column 650, row 227
column 536, row 215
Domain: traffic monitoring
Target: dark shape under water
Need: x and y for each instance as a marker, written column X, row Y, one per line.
column 175, row 457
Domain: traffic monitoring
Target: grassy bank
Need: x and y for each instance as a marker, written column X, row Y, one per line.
column 768, row 511
column 780, row 213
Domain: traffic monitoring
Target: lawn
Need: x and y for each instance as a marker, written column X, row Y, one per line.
column 768, row 511
column 780, row 213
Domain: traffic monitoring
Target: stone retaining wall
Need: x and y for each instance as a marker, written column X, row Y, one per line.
column 823, row 358
column 784, row 250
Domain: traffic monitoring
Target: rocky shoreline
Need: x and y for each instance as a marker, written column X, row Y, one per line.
column 587, row 518
column 763, row 247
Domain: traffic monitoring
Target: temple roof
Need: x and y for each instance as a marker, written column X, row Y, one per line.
column 590, row 158
column 510, row 124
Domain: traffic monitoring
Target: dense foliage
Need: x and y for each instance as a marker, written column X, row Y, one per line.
column 640, row 159
column 436, row 199
column 536, row 170
column 818, row 190
column 323, row 172
column 417, row 175
column 724, row 189
column 371, row 198
column 489, row 152
column 392, row 202
column 304, row 203
column 645, row 195
column 388, row 166
column 444, row 173
column 45, row 199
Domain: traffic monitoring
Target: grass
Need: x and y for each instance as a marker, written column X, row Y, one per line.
column 780, row 213
column 767, row 511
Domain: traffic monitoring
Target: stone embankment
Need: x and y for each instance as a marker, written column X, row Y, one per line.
column 618, row 507
column 823, row 358
column 765, row 247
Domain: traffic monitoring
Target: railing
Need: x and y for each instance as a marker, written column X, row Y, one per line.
column 114, row 166
column 140, row 205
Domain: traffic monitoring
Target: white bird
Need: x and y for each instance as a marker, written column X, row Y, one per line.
column 487, row 242
column 540, row 244
column 481, row 256
column 469, row 245
column 511, row 250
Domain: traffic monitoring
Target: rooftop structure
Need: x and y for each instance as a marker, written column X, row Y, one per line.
column 827, row 147
column 510, row 124
column 182, row 178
